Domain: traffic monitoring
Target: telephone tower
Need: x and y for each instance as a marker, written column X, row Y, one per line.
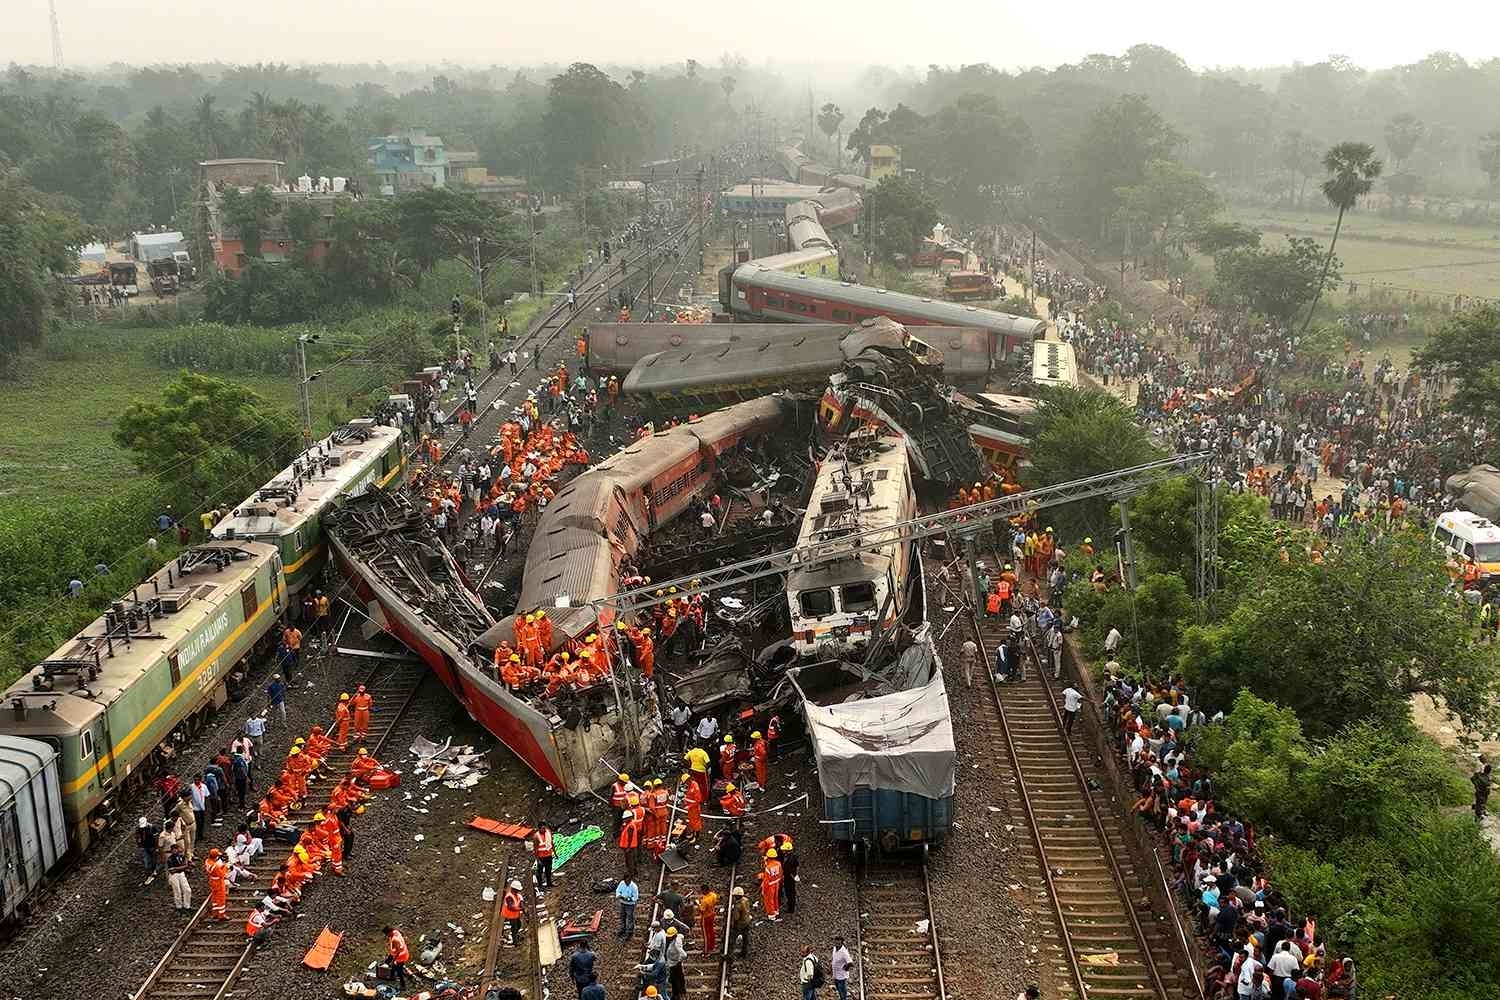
column 57, row 56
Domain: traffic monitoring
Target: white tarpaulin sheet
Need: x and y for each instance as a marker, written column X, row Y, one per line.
column 902, row 742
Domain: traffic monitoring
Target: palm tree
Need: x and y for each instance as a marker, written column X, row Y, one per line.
column 829, row 120
column 1352, row 169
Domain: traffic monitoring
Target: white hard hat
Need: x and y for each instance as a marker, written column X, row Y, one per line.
column 515, row 884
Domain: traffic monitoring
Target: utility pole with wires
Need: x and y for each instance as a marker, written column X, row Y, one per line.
column 57, row 55
column 479, row 269
column 303, row 381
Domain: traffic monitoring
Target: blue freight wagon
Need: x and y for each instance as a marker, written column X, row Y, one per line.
column 33, row 831
column 887, row 767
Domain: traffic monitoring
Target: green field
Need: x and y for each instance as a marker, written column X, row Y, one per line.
column 1431, row 258
column 57, row 417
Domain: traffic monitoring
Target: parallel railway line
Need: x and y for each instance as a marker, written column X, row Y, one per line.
column 208, row 956
column 1111, row 945
column 898, row 951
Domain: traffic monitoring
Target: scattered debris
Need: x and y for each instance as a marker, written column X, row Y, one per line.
column 454, row 766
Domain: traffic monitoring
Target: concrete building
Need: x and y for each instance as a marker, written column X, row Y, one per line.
column 885, row 161
column 241, row 171
column 407, row 161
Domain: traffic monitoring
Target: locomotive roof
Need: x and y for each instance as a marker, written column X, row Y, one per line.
column 882, row 475
column 204, row 594
column 947, row 313
column 261, row 515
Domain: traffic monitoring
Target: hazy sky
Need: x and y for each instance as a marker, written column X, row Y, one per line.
column 892, row 32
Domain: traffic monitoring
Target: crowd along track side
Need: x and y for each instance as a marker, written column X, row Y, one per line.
column 208, row 956
column 1109, row 950
column 898, row 951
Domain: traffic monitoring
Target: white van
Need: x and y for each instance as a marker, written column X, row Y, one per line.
column 1463, row 535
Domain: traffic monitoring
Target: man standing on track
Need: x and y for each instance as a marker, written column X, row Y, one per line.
column 770, row 886
column 708, row 912
column 218, row 884
column 362, row 703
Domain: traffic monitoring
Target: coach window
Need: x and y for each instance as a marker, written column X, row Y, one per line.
column 815, row 603
column 773, row 303
column 842, row 315
column 858, row 596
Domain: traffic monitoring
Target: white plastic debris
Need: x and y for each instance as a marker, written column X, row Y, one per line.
column 488, row 895
column 419, row 838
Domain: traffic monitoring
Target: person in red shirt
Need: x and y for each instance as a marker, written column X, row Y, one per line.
column 399, row 954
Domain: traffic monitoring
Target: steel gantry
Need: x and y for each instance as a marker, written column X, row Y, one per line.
column 965, row 521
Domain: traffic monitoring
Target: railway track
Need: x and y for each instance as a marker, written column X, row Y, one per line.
column 707, row 974
column 1111, row 944
column 898, row 950
column 598, row 284
column 208, row 955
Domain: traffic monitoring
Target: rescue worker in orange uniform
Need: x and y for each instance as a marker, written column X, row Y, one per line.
column 510, row 912
column 318, row 745
column 660, row 808
column 398, row 953
column 341, row 720
column 363, row 765
column 619, row 794
column 733, row 801
column 298, row 767
column 361, row 703
column 630, row 838
column 544, row 628
column 692, row 801
column 773, row 733
column 543, row 849
column 761, row 752
column 727, row 753
column 770, row 886
column 645, row 652
column 218, row 884
column 333, row 840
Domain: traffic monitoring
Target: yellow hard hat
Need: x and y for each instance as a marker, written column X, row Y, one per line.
column 771, row 854
column 298, row 741
column 541, row 613
column 729, row 738
column 729, row 787
column 295, row 752
column 623, row 776
column 684, row 776
column 755, row 735
column 619, row 626
column 319, row 816
column 787, row 845
column 646, row 631
column 300, row 851
column 671, row 590
column 344, row 696
column 515, row 657
column 363, row 752
column 671, row 932
column 590, row 637
column 1088, row 541
column 657, row 783
column 566, row 657
column 651, row 991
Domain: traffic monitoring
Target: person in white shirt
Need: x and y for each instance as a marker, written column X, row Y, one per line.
column 1055, row 647
column 839, row 963
column 1249, row 969
column 1112, row 641
column 1072, row 702
column 708, row 729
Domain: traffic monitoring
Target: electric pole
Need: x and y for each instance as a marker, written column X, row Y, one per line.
column 479, row 290
column 303, row 380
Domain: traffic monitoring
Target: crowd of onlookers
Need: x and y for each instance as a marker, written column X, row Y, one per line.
column 1257, row 947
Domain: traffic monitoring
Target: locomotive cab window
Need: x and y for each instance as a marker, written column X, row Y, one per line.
column 86, row 745
column 858, row 596
column 174, row 667
column 250, row 600
column 816, row 603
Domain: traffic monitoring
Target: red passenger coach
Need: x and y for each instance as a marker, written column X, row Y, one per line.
column 758, row 294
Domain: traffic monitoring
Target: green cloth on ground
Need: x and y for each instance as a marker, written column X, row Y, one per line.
column 569, row 844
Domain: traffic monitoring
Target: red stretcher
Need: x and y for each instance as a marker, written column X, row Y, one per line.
column 320, row 955
column 515, row 831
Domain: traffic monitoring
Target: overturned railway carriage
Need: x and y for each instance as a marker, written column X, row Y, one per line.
column 287, row 511
column 107, row 698
column 600, row 518
column 756, row 293
column 699, row 378
column 618, row 347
